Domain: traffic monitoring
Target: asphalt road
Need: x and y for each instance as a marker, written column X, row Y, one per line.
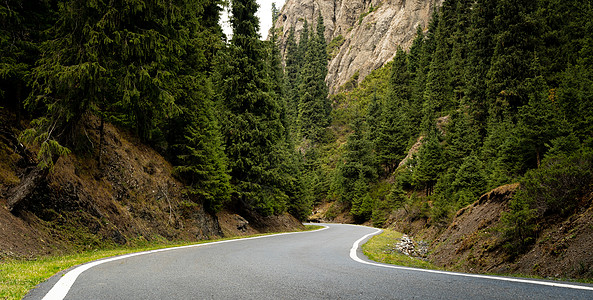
column 308, row 265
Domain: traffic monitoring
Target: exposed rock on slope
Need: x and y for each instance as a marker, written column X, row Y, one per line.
column 133, row 199
column 473, row 242
column 371, row 30
column 77, row 206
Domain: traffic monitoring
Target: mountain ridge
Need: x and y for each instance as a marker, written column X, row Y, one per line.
column 365, row 34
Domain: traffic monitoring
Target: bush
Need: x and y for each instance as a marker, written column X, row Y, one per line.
column 557, row 187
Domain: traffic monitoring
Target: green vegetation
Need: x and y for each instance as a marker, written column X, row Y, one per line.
column 380, row 249
column 364, row 14
column 496, row 91
column 495, row 95
column 215, row 109
column 334, row 46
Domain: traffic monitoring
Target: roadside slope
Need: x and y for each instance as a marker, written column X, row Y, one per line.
column 132, row 199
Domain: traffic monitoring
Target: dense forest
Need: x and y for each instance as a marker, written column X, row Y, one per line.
column 166, row 72
column 492, row 92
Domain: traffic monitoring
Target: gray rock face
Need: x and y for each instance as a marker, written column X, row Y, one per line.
column 371, row 30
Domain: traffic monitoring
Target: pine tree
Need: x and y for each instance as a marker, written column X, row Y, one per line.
column 461, row 138
column 417, row 64
column 193, row 134
column 291, row 77
column 374, row 119
column 304, row 39
column 470, row 181
column 439, row 92
column 314, row 107
column 458, row 50
column 430, row 163
column 394, row 131
column 253, row 131
column 515, row 42
column 423, row 115
column 358, row 169
column 480, row 48
column 575, row 93
column 540, row 121
column 22, row 31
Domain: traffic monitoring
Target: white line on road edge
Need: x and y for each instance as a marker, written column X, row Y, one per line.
column 61, row 288
column 354, row 256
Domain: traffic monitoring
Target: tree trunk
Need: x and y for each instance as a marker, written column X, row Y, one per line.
column 18, row 196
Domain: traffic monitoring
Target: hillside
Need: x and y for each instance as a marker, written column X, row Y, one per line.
column 133, row 199
column 474, row 240
column 477, row 136
column 362, row 35
column 124, row 124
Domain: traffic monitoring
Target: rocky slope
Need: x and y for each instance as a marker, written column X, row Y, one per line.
column 473, row 241
column 366, row 33
column 134, row 198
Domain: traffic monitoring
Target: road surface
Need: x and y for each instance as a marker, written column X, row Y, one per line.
column 307, row 265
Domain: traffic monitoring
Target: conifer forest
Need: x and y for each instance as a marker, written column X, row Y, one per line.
column 490, row 93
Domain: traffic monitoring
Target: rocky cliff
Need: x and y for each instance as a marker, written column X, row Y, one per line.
column 364, row 33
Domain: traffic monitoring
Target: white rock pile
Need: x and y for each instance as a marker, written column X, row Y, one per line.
column 409, row 247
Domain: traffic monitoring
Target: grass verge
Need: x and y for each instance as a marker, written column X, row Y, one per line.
column 18, row 277
column 379, row 248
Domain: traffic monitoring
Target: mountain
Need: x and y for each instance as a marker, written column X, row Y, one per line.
column 362, row 35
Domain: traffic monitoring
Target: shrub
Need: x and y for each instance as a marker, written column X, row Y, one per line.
column 555, row 188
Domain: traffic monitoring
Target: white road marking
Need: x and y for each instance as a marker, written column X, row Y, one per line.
column 62, row 287
column 354, row 256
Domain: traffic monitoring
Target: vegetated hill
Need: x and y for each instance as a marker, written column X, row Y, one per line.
column 362, row 35
column 484, row 98
column 133, row 198
column 474, row 240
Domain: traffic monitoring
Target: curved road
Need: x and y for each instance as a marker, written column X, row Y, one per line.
column 307, row 265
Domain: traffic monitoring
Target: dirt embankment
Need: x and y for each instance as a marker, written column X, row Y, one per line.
column 473, row 241
column 131, row 199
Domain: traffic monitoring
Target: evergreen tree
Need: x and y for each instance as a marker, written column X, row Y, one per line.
column 575, row 93
column 439, row 92
column 480, row 48
column 374, row 119
column 470, row 181
column 291, row 77
column 430, row 163
column 461, row 138
column 540, row 121
column 418, row 60
column 424, row 112
column 515, row 42
column 314, row 107
column 415, row 53
column 458, row 50
column 22, row 30
column 253, row 131
column 193, row 134
column 303, row 43
column 357, row 170
column 394, row 131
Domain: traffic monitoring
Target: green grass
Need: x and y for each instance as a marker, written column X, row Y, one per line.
column 313, row 227
column 18, row 277
column 378, row 249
